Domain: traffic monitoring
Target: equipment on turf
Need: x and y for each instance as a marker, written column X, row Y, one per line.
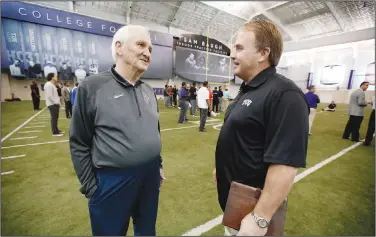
column 241, row 201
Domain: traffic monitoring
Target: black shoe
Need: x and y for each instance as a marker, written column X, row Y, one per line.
column 202, row 130
column 367, row 144
column 61, row 132
column 57, row 134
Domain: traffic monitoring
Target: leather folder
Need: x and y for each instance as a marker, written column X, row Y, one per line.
column 242, row 200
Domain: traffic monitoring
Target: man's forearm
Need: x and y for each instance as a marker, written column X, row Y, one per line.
column 278, row 183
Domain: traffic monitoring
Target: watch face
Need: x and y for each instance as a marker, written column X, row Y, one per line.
column 262, row 223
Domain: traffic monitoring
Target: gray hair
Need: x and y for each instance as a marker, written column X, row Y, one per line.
column 124, row 34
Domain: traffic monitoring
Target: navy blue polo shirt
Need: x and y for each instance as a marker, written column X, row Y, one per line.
column 267, row 123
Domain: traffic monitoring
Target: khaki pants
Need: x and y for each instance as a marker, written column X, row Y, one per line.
column 225, row 104
column 312, row 116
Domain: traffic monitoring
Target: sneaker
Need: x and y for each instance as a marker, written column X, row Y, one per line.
column 57, row 134
column 61, row 132
column 202, row 130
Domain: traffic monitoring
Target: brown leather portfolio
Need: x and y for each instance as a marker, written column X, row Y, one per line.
column 241, row 201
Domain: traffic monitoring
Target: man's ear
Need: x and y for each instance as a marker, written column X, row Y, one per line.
column 265, row 52
column 118, row 45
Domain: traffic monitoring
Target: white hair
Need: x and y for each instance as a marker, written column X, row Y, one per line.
column 124, row 34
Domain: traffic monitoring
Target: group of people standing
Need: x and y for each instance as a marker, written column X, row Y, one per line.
column 356, row 107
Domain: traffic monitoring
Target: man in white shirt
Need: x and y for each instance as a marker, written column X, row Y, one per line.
column 53, row 102
column 371, row 125
column 203, row 104
column 80, row 73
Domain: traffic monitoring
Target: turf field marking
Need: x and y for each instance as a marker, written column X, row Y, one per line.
column 22, row 138
column 36, row 123
column 31, row 131
column 199, row 230
column 8, row 172
column 40, row 126
column 12, row 157
column 19, row 127
column 169, row 129
column 218, row 126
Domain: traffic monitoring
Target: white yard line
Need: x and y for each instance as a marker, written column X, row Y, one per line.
column 22, row 138
column 218, row 126
column 12, row 157
column 199, row 230
column 8, row 172
column 31, row 131
column 19, row 127
column 169, row 129
column 34, row 144
column 40, row 126
column 36, row 123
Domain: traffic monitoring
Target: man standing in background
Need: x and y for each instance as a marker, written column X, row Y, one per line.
column 170, row 96
column 166, row 97
column 357, row 104
column 193, row 95
column 313, row 100
column 59, row 87
column 66, row 97
column 220, row 98
column 215, row 100
column 73, row 94
column 183, row 103
column 203, row 104
column 35, row 96
column 53, row 102
column 174, row 95
column 226, row 99
column 371, row 125
column 80, row 73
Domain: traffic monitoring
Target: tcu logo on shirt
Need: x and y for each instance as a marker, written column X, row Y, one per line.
column 247, row 102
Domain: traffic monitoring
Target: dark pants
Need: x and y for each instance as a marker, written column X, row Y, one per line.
column 183, row 110
column 215, row 105
column 174, row 100
column 193, row 107
column 371, row 128
column 54, row 111
column 203, row 118
column 36, row 101
column 68, row 109
column 352, row 127
column 124, row 193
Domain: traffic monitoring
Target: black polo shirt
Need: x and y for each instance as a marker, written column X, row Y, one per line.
column 267, row 123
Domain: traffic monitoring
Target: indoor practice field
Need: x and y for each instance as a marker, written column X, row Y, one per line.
column 40, row 188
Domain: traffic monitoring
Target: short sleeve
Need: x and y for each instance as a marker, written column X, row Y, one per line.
column 287, row 130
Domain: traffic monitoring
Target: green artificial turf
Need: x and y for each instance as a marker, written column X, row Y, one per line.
column 41, row 197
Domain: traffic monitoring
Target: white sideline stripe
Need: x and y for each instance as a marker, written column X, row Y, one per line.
column 217, row 127
column 199, row 230
column 12, row 157
column 35, row 123
column 8, row 172
column 61, row 141
column 21, row 138
column 30, row 131
column 40, row 126
column 34, row 144
column 19, row 127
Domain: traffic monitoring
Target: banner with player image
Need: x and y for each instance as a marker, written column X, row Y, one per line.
column 199, row 58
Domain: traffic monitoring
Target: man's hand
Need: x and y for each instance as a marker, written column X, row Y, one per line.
column 162, row 177
column 249, row 227
column 215, row 176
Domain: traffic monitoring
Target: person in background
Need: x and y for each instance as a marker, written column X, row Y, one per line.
column 49, row 68
column 35, row 69
column 66, row 96
column 15, row 68
column 226, row 99
column 331, row 107
column 35, row 96
column 210, row 100
column 170, row 96
column 371, row 125
column 115, row 140
column 58, row 87
column 313, row 100
column 215, row 100
column 357, row 104
column 203, row 105
column 192, row 99
column 73, row 95
column 220, row 98
column 53, row 102
column 183, row 103
column 166, row 97
column 174, row 95
column 65, row 73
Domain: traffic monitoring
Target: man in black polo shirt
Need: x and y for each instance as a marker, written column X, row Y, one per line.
column 263, row 140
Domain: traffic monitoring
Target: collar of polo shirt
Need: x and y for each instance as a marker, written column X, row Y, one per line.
column 258, row 79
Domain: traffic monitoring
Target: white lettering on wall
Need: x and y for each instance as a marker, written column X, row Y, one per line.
column 48, row 19
column 103, row 27
column 89, row 24
column 22, row 13
column 112, row 29
column 79, row 23
column 57, row 18
column 69, row 21
column 36, row 14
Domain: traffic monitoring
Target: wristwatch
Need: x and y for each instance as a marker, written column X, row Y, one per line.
column 260, row 221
